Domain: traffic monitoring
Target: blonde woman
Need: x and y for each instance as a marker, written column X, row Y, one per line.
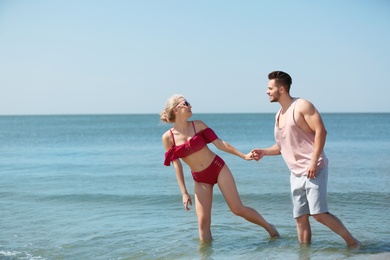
column 187, row 141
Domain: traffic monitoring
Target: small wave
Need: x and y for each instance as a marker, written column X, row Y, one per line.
column 4, row 254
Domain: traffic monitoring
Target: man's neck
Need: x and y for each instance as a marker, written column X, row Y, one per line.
column 286, row 102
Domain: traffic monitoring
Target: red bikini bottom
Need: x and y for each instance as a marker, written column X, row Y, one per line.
column 210, row 174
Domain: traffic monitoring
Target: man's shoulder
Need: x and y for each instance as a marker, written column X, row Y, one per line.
column 302, row 101
column 304, row 106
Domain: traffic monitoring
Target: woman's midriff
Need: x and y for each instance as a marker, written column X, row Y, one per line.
column 200, row 160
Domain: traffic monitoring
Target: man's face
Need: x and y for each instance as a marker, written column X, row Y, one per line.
column 273, row 91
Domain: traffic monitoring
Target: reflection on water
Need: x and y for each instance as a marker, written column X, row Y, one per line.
column 205, row 249
column 304, row 252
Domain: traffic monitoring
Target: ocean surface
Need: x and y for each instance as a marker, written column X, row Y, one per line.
column 94, row 187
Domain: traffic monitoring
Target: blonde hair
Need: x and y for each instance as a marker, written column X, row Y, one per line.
column 167, row 114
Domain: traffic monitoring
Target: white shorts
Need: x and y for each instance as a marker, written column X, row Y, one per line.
column 309, row 196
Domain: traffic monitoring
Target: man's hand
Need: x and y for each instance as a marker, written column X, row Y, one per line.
column 312, row 171
column 257, row 154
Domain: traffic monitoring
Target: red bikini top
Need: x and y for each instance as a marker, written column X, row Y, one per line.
column 197, row 142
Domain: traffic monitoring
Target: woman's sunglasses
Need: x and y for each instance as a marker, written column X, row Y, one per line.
column 185, row 103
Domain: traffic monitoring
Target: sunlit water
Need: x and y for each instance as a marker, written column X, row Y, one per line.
column 94, row 187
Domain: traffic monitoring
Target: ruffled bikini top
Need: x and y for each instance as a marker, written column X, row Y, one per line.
column 197, row 142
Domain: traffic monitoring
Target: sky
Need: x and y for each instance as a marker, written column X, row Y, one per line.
column 129, row 56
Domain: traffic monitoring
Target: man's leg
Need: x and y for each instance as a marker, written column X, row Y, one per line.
column 300, row 208
column 318, row 207
column 335, row 224
column 303, row 229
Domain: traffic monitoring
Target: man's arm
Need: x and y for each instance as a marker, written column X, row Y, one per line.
column 310, row 120
column 259, row 153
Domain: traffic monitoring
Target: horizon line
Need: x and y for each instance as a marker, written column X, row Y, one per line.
column 202, row 113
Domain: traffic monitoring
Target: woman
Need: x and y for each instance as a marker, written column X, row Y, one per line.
column 188, row 140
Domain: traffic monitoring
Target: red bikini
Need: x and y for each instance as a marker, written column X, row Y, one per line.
column 196, row 143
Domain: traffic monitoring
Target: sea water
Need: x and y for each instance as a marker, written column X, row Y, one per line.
column 94, row 187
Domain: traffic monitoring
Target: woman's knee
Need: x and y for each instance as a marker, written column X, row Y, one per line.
column 204, row 222
column 238, row 210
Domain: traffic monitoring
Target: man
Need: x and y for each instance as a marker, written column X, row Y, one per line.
column 300, row 138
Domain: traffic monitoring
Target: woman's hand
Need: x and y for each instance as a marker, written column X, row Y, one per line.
column 187, row 200
column 248, row 156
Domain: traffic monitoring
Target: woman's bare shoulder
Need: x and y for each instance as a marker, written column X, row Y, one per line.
column 200, row 125
column 166, row 136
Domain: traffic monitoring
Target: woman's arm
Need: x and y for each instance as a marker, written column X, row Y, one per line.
column 222, row 145
column 179, row 172
column 182, row 185
column 226, row 147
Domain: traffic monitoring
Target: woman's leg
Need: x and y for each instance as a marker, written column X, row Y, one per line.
column 228, row 188
column 203, row 201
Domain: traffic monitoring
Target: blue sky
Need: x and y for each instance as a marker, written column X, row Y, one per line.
column 126, row 57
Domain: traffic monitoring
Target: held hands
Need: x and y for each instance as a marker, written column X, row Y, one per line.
column 248, row 156
column 257, row 154
column 187, row 200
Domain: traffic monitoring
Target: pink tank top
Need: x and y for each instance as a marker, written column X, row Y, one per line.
column 296, row 145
